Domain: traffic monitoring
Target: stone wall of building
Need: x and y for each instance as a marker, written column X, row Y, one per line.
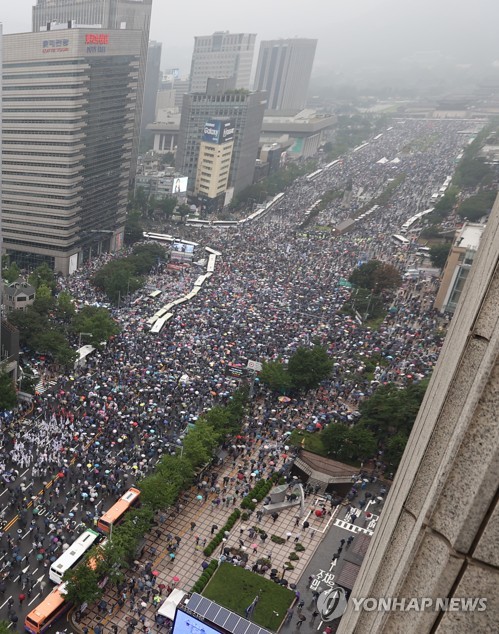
column 438, row 535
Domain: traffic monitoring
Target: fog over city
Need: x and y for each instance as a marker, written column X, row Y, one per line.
column 357, row 35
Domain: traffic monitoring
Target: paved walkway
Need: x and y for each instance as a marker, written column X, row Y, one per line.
column 189, row 557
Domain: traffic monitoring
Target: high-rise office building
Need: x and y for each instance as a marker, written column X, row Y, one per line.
column 106, row 14
column 245, row 109
column 215, row 155
column 222, row 55
column 151, row 87
column 283, row 70
column 68, row 125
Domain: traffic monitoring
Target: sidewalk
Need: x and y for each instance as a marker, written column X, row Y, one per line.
column 188, row 560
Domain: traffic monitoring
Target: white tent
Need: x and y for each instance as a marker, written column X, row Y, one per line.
column 169, row 606
column 382, row 161
column 395, row 160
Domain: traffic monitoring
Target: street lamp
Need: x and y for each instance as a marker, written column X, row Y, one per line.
column 88, row 334
column 283, row 571
column 224, row 541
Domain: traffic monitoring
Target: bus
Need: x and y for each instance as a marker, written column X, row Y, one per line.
column 159, row 323
column 116, row 514
column 73, row 555
column 41, row 618
column 400, row 240
column 155, row 294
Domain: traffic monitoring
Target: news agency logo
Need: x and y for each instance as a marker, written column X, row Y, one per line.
column 331, row 604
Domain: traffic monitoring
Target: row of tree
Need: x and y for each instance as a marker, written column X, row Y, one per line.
column 123, row 276
column 386, row 421
column 159, row 491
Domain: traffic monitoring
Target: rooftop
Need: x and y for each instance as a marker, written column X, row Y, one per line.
column 469, row 236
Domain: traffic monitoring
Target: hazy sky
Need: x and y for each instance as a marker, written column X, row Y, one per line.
column 350, row 32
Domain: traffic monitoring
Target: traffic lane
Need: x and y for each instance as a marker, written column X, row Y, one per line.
column 29, row 569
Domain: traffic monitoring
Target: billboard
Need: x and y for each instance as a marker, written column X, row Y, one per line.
column 189, row 624
column 218, row 131
column 179, row 185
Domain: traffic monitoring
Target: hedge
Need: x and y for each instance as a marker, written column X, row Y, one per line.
column 206, row 575
column 217, row 540
column 258, row 492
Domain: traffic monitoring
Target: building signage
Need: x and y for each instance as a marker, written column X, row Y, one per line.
column 96, row 42
column 216, row 131
column 55, row 46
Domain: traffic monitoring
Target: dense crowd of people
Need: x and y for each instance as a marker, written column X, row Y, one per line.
column 274, row 289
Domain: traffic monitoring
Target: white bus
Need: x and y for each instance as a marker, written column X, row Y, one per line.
column 158, row 325
column 73, row 555
column 400, row 240
column 155, row 294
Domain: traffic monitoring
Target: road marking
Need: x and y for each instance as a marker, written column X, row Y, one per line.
column 34, row 598
column 5, row 603
column 25, row 472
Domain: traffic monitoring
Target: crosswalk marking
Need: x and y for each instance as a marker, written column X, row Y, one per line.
column 352, row 527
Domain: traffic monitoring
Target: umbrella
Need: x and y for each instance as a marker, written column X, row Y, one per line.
column 155, row 573
column 199, row 497
column 176, row 579
column 254, row 545
column 284, row 399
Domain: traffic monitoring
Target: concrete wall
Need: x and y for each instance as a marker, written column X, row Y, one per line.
column 439, row 532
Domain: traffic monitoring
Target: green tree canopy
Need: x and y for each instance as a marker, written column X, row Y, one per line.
column 44, row 300
column 349, row 443
column 11, row 273
column 8, row 396
column 65, row 306
column 475, row 207
column 275, row 374
column 199, row 444
column 376, row 276
column 5, row 627
column 438, row 254
column 183, row 211
column 309, row 366
column 82, row 585
column 97, row 321
column 43, row 274
column 167, row 206
column 390, row 411
column 134, row 230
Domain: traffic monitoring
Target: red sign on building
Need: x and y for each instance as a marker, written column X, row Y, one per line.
column 97, row 38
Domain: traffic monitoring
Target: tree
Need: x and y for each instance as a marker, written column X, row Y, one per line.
column 5, row 627
column 167, row 206
column 43, row 274
column 395, row 448
column 390, row 411
column 275, row 374
column 376, row 276
column 134, row 231
column 475, row 207
column 44, row 300
column 65, row 306
column 438, row 255
column 309, row 366
column 199, row 445
column 157, row 492
column 82, row 585
column 53, row 342
column 98, row 322
column 183, row 211
column 11, row 273
column 349, row 443
column 8, row 396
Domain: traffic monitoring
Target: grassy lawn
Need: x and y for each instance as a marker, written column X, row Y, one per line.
column 313, row 441
column 235, row 588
